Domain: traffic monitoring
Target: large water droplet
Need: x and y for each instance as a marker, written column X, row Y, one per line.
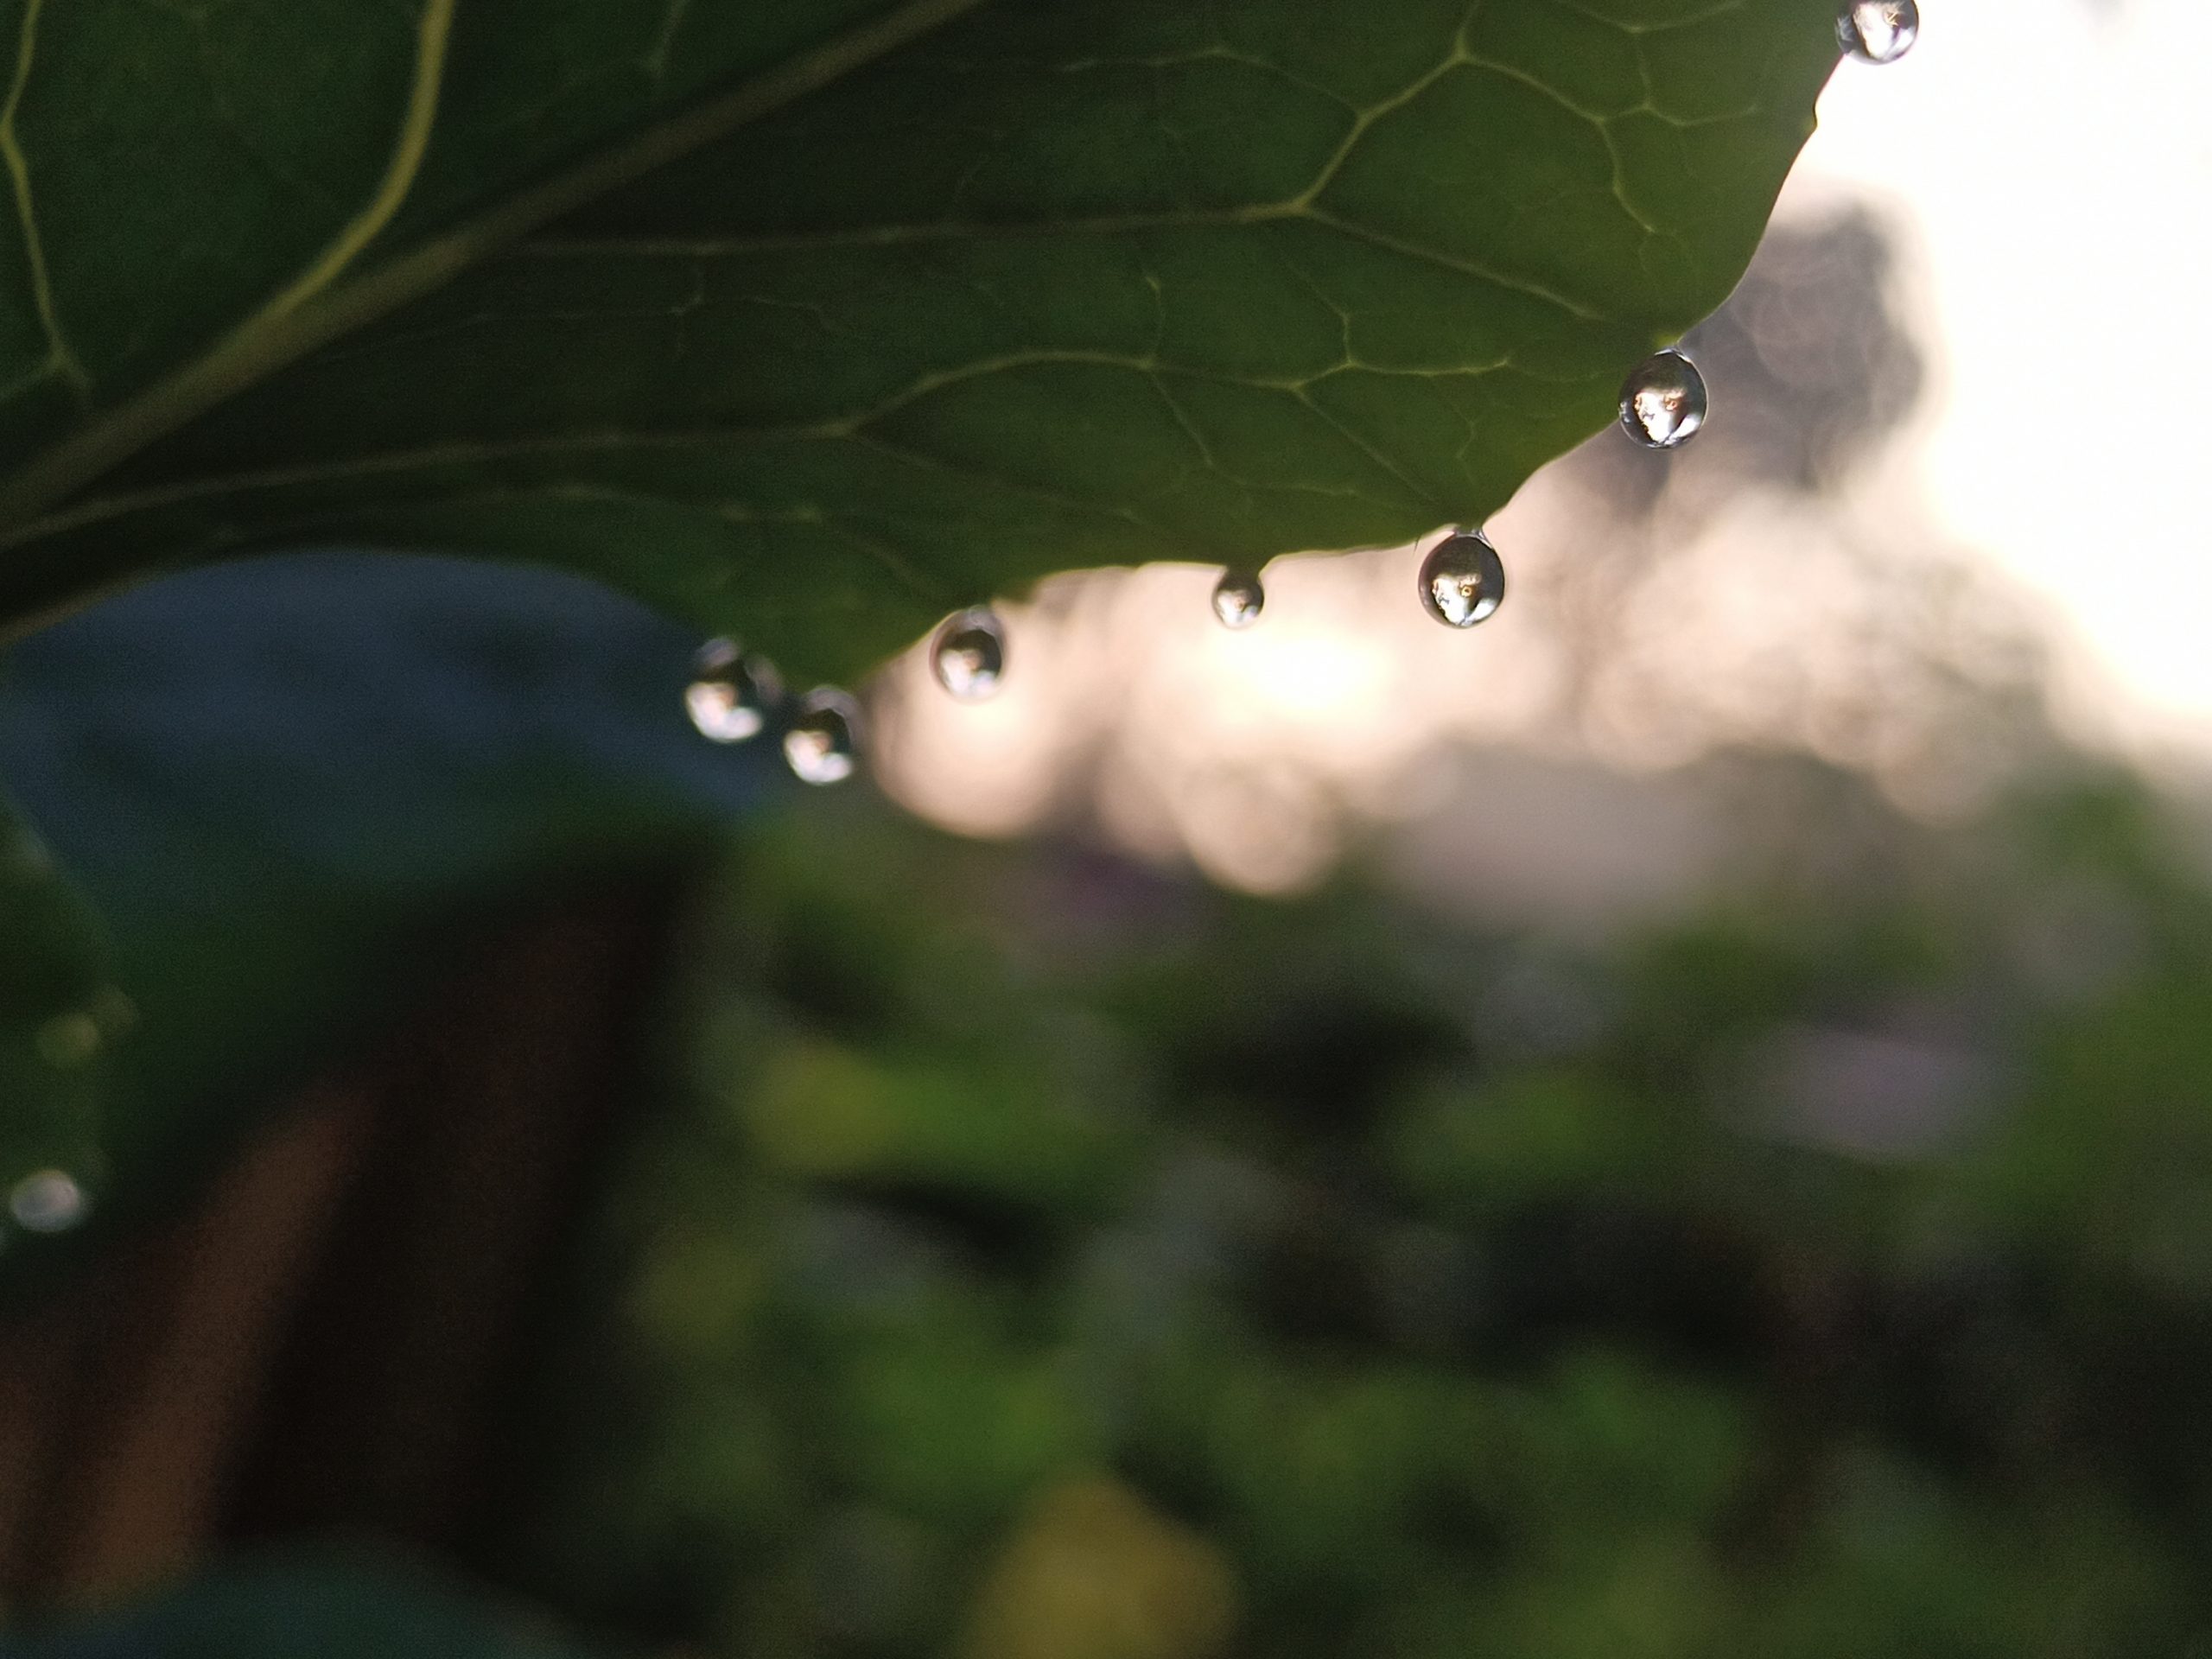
column 1879, row 31
column 969, row 654
column 1663, row 402
column 1238, row 599
column 48, row 1202
column 823, row 745
column 730, row 693
column 1462, row 580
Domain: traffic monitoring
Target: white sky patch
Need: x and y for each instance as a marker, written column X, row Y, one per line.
column 2051, row 163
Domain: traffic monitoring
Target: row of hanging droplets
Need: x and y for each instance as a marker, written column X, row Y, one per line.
column 733, row 694
column 1663, row 405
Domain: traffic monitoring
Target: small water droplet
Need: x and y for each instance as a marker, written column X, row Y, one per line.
column 48, row 1202
column 1238, row 599
column 823, row 745
column 1462, row 580
column 1879, row 31
column 730, row 693
column 68, row 1041
column 969, row 654
column 1664, row 402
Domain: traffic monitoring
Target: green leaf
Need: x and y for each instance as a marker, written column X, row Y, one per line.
column 814, row 320
column 58, row 1009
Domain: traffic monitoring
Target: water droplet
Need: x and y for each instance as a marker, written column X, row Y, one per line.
column 823, row 744
column 48, row 1202
column 1664, row 402
column 1462, row 580
column 68, row 1041
column 1238, row 599
column 1879, row 31
column 969, row 654
column 730, row 693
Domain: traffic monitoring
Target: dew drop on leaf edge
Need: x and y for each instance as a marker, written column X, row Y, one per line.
column 1238, row 599
column 967, row 654
column 1462, row 580
column 730, row 693
column 1878, row 31
column 47, row 1202
column 1664, row 401
column 823, row 743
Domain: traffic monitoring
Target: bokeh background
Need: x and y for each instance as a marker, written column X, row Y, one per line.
column 1677, row 1124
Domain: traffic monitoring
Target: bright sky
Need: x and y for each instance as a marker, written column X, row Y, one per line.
column 2051, row 161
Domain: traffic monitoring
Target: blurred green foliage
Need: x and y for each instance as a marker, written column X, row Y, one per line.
column 1039, row 1257
column 59, row 1006
column 289, row 792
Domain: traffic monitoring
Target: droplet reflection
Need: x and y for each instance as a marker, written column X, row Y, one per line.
column 1462, row 580
column 730, row 693
column 969, row 654
column 1238, row 599
column 823, row 745
column 47, row 1202
column 1664, row 402
column 1879, row 31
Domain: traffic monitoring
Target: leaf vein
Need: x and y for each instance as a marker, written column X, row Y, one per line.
column 274, row 337
column 61, row 358
column 433, row 31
